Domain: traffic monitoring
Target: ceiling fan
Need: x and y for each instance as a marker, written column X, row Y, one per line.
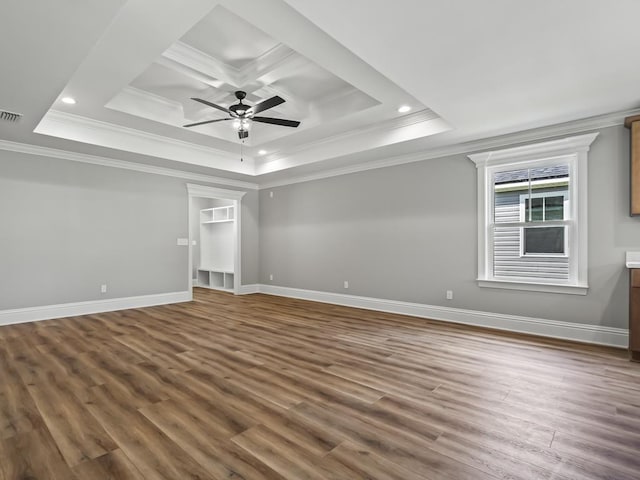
column 243, row 114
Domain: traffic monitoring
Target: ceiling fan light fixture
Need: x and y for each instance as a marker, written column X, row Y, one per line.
column 243, row 115
column 404, row 109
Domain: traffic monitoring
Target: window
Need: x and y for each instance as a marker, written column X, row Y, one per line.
column 538, row 208
column 532, row 216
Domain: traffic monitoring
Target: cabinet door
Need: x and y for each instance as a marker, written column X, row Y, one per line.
column 635, row 168
column 634, row 312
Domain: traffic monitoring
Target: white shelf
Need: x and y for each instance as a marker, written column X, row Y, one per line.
column 217, row 214
column 216, row 248
column 215, row 279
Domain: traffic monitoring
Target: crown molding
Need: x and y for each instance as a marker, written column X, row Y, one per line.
column 113, row 163
column 543, row 133
column 200, row 62
column 386, row 126
column 101, row 125
column 190, row 72
column 603, row 121
column 138, row 141
column 336, row 172
column 561, row 146
column 143, row 95
column 465, row 148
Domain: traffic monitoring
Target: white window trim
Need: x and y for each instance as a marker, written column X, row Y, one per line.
column 573, row 150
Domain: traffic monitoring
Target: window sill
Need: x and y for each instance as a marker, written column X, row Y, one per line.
column 535, row 287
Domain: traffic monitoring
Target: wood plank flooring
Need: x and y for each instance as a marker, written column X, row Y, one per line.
column 258, row 387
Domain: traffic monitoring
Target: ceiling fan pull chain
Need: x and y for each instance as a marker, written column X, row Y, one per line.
column 241, row 145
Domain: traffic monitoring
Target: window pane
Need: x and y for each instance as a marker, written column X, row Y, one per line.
column 537, row 206
column 528, row 189
column 508, row 261
column 554, row 208
column 531, row 196
column 508, row 186
column 546, row 240
column 550, row 172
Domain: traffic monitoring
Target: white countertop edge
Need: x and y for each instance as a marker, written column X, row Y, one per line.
column 633, row 260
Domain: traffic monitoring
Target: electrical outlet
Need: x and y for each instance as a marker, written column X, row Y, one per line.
column 449, row 294
column 271, row 277
column 103, row 288
column 346, row 284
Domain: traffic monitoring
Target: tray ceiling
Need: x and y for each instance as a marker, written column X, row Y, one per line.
column 134, row 91
column 474, row 74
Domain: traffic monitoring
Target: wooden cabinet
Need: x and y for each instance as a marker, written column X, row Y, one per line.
column 634, row 314
column 633, row 123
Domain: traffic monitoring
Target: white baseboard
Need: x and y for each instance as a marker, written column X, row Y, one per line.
column 617, row 337
column 46, row 312
column 596, row 334
column 247, row 289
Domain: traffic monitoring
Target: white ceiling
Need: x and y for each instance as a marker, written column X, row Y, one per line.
column 469, row 70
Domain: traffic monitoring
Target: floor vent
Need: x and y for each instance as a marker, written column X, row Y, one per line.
column 9, row 116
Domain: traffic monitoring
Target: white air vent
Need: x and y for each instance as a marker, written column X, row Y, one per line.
column 9, row 116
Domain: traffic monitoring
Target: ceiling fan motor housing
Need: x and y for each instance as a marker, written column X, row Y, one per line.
column 240, row 108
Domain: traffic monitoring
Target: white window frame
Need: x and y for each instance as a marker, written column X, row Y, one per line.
column 523, row 197
column 570, row 150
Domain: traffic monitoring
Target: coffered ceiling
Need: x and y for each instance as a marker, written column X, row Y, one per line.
column 468, row 70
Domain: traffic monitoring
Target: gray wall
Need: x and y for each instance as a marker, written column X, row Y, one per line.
column 409, row 233
column 405, row 233
column 68, row 227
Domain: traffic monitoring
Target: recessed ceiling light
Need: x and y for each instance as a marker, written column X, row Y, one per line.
column 404, row 109
column 262, row 152
column 69, row 100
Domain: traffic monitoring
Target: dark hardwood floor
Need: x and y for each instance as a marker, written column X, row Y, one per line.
column 259, row 387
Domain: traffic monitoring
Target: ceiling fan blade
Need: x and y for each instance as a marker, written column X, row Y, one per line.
column 205, row 102
column 207, row 121
column 276, row 121
column 265, row 105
